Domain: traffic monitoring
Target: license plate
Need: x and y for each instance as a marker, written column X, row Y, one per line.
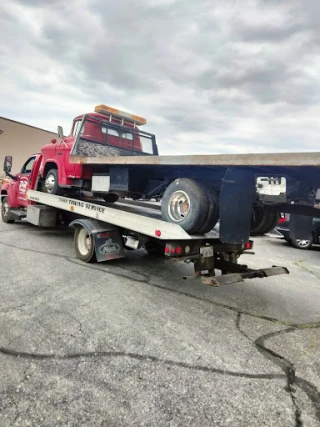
column 206, row 251
column 132, row 243
column 271, row 186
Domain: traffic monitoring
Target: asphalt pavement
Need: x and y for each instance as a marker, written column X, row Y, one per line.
column 130, row 343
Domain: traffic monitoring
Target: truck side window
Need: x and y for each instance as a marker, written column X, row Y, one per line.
column 27, row 167
column 76, row 128
column 109, row 131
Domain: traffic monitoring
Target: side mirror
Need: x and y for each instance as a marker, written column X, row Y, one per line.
column 7, row 165
column 60, row 132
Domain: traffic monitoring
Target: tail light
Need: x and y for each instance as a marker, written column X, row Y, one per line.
column 248, row 245
column 173, row 250
column 282, row 218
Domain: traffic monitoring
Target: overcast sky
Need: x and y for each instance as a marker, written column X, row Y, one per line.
column 216, row 76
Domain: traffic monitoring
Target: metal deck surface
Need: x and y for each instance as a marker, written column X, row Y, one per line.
column 153, row 211
column 131, row 216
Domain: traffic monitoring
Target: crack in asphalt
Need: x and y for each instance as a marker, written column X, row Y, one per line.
column 289, row 370
column 305, row 268
column 15, row 390
column 36, row 292
column 71, row 317
column 33, row 250
column 135, row 356
column 144, row 278
column 284, row 364
column 310, row 325
column 147, row 281
column 32, row 403
column 310, row 389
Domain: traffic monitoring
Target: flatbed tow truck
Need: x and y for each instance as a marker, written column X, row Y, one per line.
column 86, row 178
column 103, row 231
column 106, row 153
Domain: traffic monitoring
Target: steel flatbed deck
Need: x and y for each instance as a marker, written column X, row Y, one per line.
column 135, row 217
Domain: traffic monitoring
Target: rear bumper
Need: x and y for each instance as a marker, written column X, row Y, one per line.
column 228, row 279
column 283, row 231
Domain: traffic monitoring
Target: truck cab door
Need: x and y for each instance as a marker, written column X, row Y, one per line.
column 27, row 178
column 63, row 150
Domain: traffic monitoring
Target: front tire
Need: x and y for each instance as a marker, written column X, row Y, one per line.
column 185, row 203
column 51, row 183
column 5, row 211
column 84, row 245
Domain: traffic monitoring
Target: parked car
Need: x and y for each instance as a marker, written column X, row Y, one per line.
column 283, row 229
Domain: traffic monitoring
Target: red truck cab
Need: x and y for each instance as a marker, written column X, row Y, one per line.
column 15, row 189
column 105, row 131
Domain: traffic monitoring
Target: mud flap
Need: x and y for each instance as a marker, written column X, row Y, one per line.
column 236, row 200
column 300, row 227
column 108, row 241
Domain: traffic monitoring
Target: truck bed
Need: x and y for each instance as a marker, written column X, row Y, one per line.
column 297, row 167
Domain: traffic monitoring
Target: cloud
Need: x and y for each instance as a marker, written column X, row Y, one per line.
column 219, row 77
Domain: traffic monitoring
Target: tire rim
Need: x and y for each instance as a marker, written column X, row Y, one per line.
column 50, row 183
column 303, row 243
column 179, row 206
column 84, row 242
column 5, row 209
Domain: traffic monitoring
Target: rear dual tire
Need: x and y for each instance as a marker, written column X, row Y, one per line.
column 187, row 203
column 263, row 220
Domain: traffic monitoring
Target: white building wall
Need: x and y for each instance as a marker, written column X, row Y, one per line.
column 20, row 141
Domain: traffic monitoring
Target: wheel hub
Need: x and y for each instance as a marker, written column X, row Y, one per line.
column 84, row 242
column 49, row 183
column 302, row 242
column 179, row 206
column 5, row 209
